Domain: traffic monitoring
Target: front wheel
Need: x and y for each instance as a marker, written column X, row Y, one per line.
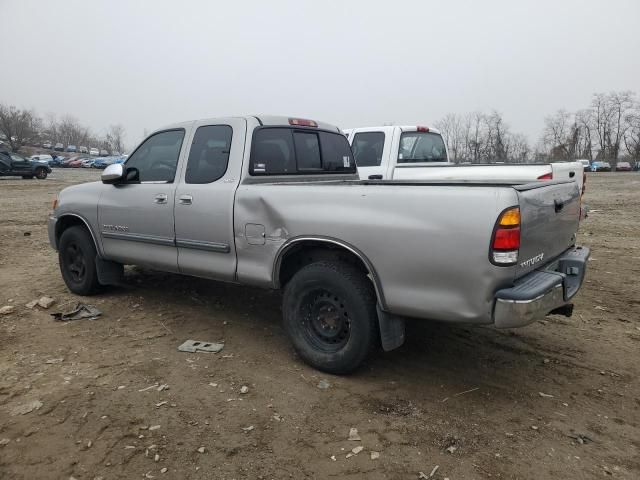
column 77, row 258
column 329, row 312
column 41, row 173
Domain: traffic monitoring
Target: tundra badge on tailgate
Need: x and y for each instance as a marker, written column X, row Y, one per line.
column 532, row 261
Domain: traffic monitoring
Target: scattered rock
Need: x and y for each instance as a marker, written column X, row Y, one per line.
column 375, row 455
column 353, row 435
column 357, row 450
column 89, row 444
column 164, row 470
column 213, row 384
column 45, row 302
column 452, row 449
column 546, row 360
column 26, row 408
column 333, row 457
column 277, row 417
column 545, row 395
column 533, row 427
column 244, row 389
column 7, row 309
column 4, row 441
column 32, row 303
column 323, row 384
column 154, row 427
column 164, row 402
column 201, row 450
column 248, row 429
column 156, row 458
column 163, row 387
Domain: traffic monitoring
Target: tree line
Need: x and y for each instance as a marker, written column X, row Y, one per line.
column 25, row 127
column 608, row 129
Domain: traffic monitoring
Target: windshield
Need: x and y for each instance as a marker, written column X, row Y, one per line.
column 421, row 147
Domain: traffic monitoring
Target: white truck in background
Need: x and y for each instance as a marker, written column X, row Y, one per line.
column 420, row 153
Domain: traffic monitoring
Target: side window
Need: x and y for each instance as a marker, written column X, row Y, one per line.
column 272, row 152
column 307, row 150
column 336, row 153
column 157, row 158
column 209, row 154
column 367, row 148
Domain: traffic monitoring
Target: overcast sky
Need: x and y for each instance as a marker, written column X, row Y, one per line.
column 351, row 63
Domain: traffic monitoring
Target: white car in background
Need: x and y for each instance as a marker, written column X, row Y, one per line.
column 94, row 151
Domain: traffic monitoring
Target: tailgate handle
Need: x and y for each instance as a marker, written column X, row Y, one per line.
column 558, row 204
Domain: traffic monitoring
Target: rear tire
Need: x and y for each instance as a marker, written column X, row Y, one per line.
column 329, row 310
column 41, row 173
column 77, row 258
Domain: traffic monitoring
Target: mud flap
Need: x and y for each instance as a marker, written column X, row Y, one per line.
column 109, row 273
column 391, row 330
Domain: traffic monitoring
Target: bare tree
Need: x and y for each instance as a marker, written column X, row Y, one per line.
column 19, row 126
column 451, row 127
column 115, row 138
column 632, row 134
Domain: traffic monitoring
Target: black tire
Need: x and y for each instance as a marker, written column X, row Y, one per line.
column 27, row 177
column 77, row 258
column 329, row 310
column 41, row 173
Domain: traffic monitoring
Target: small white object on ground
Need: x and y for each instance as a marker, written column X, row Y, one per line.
column 154, row 427
column 323, row 384
column 244, row 389
column 353, row 435
column 45, row 302
column 193, row 346
column 201, row 450
column 375, row 455
column 545, row 395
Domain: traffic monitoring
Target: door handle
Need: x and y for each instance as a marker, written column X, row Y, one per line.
column 375, row 177
column 185, row 199
column 161, row 198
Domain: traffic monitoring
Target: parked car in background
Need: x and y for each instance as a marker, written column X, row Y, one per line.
column 623, row 167
column 71, row 148
column 115, row 153
column 47, row 145
column 57, row 161
column 42, row 157
column 104, row 153
column 600, row 166
column 14, row 165
column 94, row 151
column 66, row 162
column 104, row 162
column 586, row 163
column 88, row 162
column 83, row 150
column 59, row 147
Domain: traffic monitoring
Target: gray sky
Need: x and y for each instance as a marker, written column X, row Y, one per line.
column 351, row 63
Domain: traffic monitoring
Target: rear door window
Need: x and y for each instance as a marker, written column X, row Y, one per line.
column 367, row 148
column 417, row 147
column 289, row 151
column 209, row 154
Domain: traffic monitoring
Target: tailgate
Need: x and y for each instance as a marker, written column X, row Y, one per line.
column 550, row 214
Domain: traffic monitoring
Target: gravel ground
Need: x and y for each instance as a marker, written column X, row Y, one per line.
column 558, row 399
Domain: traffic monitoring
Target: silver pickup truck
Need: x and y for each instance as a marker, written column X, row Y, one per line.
column 276, row 202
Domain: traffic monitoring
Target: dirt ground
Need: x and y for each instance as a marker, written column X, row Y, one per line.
column 558, row 399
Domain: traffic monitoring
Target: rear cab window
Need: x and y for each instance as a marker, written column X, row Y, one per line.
column 296, row 151
column 367, row 148
column 417, row 147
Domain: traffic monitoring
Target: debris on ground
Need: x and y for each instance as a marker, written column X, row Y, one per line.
column 355, row 451
column 80, row 311
column 452, row 449
column 164, row 470
column 248, row 429
column 154, row 427
column 45, row 302
column 353, row 435
column 162, row 387
column 423, row 475
column 7, row 309
column 545, row 395
column 323, row 384
column 581, row 439
column 193, row 346
column 201, row 450
column 26, row 408
column 244, row 389
column 375, row 455
column 4, row 441
column 32, row 303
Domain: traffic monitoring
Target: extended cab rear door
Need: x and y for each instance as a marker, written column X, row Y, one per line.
column 205, row 198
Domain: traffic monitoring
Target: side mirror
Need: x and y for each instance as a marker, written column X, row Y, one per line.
column 113, row 173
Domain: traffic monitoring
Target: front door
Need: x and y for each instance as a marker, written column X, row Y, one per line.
column 205, row 198
column 136, row 217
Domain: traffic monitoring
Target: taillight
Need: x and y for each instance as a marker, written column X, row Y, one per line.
column 505, row 242
column 546, row 176
column 302, row 122
column 422, row 129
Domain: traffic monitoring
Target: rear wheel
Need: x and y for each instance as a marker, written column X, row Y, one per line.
column 77, row 258
column 41, row 173
column 330, row 316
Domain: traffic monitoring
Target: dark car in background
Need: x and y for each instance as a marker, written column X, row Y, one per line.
column 623, row 167
column 71, row 148
column 59, row 147
column 14, row 165
column 600, row 166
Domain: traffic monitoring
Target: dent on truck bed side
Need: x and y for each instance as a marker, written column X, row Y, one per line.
column 427, row 244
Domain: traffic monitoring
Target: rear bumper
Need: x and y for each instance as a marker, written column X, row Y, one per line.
column 538, row 293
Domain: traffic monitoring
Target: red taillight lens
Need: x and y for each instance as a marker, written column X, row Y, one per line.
column 302, row 122
column 546, row 176
column 422, row 129
column 507, row 239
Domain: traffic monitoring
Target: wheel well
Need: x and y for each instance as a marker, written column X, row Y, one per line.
column 69, row 221
column 307, row 252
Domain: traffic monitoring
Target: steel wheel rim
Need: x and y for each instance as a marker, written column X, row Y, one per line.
column 326, row 321
column 75, row 263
